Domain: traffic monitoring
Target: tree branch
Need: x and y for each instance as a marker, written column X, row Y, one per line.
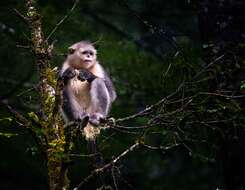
column 107, row 166
column 62, row 20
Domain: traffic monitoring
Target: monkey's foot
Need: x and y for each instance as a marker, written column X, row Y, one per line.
column 95, row 118
column 83, row 117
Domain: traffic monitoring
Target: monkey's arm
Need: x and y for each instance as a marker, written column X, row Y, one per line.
column 67, row 74
column 110, row 88
column 100, row 100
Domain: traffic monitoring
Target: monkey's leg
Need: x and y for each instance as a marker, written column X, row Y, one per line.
column 100, row 99
column 71, row 108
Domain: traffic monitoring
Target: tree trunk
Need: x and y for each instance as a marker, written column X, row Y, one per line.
column 49, row 119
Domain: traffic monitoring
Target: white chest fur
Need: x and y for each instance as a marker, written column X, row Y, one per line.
column 80, row 93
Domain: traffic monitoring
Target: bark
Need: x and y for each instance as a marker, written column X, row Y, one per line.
column 49, row 119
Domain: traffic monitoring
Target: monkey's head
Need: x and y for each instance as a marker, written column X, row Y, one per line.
column 82, row 55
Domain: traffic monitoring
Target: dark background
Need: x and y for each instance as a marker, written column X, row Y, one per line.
column 149, row 47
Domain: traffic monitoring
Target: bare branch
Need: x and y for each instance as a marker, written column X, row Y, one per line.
column 149, row 109
column 209, row 65
column 222, row 95
column 25, row 19
column 16, row 114
column 107, row 166
column 62, row 20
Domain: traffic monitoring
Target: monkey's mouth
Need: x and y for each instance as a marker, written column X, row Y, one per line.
column 87, row 60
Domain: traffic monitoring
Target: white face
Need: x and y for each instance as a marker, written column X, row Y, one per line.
column 83, row 57
column 87, row 55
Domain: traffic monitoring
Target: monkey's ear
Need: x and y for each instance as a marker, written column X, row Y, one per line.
column 71, row 50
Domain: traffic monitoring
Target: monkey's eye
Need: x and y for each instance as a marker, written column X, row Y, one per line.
column 88, row 52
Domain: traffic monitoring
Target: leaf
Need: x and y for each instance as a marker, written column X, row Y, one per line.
column 6, row 119
column 8, row 135
column 242, row 85
column 33, row 116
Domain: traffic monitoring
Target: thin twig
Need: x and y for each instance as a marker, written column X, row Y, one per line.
column 107, row 166
column 210, row 64
column 62, row 20
column 148, row 110
column 166, row 72
column 152, row 28
column 83, row 155
column 25, row 19
column 222, row 95
column 114, row 177
column 163, row 148
column 125, row 131
column 23, row 46
column 17, row 115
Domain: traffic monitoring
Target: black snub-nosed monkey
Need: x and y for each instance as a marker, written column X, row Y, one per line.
column 88, row 92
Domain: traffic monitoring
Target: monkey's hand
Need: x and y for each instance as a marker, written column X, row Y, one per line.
column 85, row 75
column 68, row 74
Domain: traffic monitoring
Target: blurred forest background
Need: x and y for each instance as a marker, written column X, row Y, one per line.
column 151, row 49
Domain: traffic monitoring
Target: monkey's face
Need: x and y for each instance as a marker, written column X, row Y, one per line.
column 88, row 56
column 84, row 57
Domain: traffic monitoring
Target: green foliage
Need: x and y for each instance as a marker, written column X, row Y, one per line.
column 33, row 116
column 242, row 85
column 8, row 135
column 6, row 119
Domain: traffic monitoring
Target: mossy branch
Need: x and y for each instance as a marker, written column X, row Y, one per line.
column 50, row 99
